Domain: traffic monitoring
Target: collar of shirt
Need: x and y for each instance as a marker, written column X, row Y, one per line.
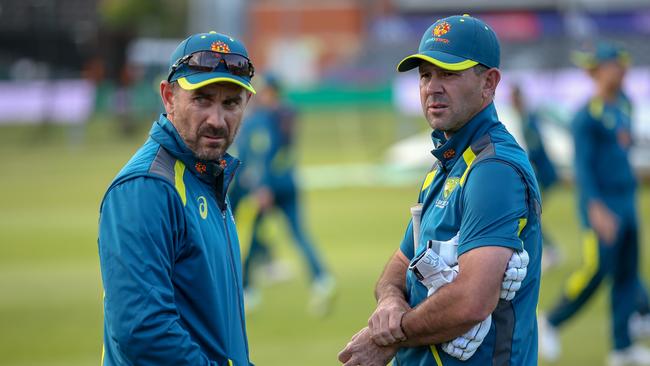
column 164, row 132
column 447, row 151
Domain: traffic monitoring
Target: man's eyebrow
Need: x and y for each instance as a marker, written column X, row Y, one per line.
column 235, row 98
column 202, row 93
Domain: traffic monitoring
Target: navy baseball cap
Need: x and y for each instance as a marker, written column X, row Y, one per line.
column 456, row 43
column 602, row 52
column 212, row 57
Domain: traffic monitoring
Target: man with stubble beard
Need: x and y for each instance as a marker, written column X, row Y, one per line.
column 168, row 248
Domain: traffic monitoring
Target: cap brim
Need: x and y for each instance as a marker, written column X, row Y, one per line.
column 199, row 80
column 440, row 59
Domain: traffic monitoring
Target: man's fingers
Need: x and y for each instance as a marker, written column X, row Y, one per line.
column 395, row 326
column 382, row 336
column 345, row 354
column 352, row 361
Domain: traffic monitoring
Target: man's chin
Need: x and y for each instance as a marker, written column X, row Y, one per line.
column 212, row 154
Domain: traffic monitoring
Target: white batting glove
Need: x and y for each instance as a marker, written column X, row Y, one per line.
column 514, row 275
column 431, row 270
column 447, row 250
column 465, row 346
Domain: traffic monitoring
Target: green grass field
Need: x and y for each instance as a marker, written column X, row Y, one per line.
column 50, row 288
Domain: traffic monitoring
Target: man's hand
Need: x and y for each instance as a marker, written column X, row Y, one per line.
column 385, row 324
column 264, row 198
column 604, row 222
column 361, row 350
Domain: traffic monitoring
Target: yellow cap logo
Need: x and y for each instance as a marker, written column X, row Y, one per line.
column 220, row 46
column 441, row 28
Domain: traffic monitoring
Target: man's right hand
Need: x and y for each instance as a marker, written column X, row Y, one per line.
column 603, row 221
column 385, row 324
column 264, row 198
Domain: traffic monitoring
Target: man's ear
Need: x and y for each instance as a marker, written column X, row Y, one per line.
column 492, row 78
column 167, row 95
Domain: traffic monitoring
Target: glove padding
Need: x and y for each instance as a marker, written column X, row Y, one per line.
column 514, row 275
column 464, row 346
column 432, row 270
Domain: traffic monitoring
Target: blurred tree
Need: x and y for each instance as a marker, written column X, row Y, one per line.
column 152, row 18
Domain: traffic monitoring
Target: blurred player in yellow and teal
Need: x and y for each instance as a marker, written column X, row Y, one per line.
column 607, row 208
column 266, row 147
column 462, row 288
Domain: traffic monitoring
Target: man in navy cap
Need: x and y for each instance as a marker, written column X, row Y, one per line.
column 462, row 289
column 168, row 248
column 607, row 207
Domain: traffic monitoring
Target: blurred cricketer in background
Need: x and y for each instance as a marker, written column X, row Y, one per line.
column 266, row 146
column 607, row 206
column 463, row 286
column 168, row 248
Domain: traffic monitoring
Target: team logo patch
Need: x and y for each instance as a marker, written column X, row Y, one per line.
column 450, row 184
column 448, row 154
column 220, row 46
column 200, row 167
column 441, row 28
column 203, row 207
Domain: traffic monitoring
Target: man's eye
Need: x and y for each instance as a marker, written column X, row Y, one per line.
column 425, row 75
column 231, row 102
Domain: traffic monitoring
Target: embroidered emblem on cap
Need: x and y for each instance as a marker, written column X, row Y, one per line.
column 220, row 46
column 200, row 167
column 441, row 28
column 448, row 154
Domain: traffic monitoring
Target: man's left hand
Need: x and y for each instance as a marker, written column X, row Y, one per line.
column 361, row 350
column 385, row 324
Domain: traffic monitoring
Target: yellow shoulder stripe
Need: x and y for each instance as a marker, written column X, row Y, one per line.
column 429, row 179
column 179, row 170
column 469, row 157
column 596, row 107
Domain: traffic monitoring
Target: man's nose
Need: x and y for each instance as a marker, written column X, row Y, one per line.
column 434, row 86
column 216, row 117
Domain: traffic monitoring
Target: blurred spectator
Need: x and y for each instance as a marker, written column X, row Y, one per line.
column 607, row 203
column 266, row 148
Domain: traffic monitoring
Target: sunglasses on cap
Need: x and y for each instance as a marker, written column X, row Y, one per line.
column 209, row 61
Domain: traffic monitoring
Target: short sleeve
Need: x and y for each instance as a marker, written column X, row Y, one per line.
column 407, row 243
column 494, row 207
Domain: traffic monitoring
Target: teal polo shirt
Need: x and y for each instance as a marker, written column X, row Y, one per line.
column 482, row 186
